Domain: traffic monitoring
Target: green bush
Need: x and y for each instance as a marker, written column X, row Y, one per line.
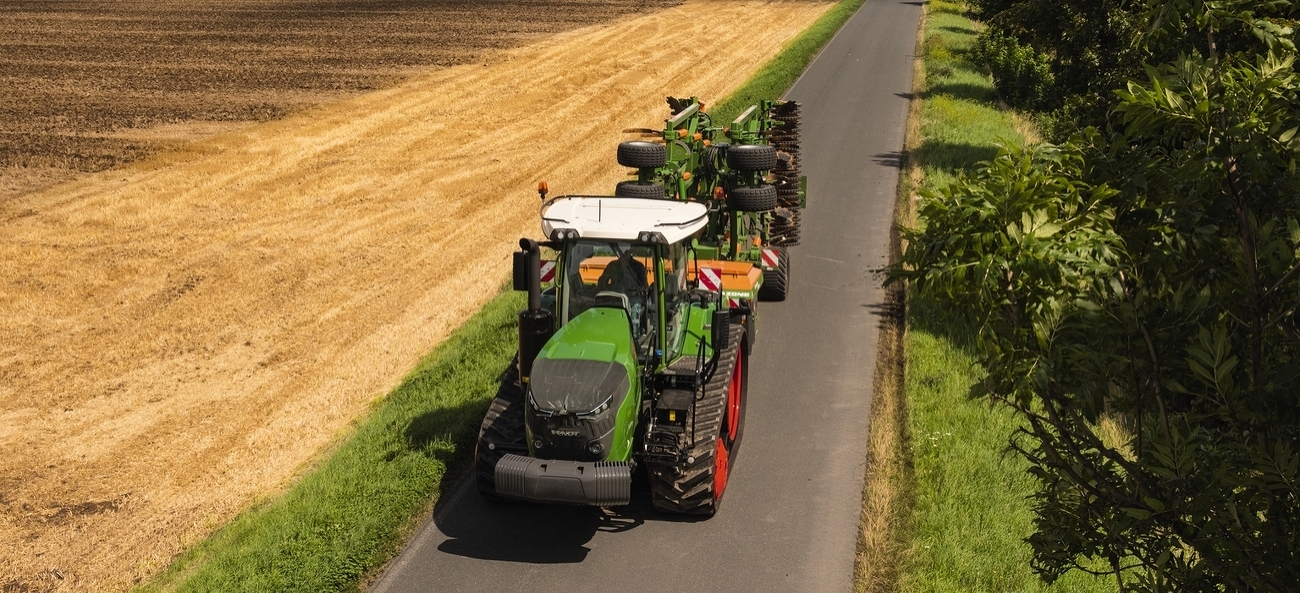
column 1089, row 47
column 1149, row 273
column 1022, row 75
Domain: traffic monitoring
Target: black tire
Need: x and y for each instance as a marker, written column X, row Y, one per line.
column 776, row 283
column 692, row 490
column 503, row 425
column 637, row 189
column 641, row 155
column 752, row 198
column 751, row 157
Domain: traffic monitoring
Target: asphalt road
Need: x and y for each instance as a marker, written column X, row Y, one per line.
column 790, row 516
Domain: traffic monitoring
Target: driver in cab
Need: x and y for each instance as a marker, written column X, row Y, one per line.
column 625, row 274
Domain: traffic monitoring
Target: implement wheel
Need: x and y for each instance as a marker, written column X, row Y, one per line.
column 502, row 432
column 637, row 189
column 751, row 157
column 752, row 198
column 642, row 155
column 696, row 485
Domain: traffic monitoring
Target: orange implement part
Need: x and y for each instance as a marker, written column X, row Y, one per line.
column 591, row 268
column 736, row 275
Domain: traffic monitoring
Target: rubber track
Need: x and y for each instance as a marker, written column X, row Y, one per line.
column 691, row 491
column 504, row 423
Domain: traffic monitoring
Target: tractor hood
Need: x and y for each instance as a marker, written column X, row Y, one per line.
column 578, row 387
column 578, row 393
column 585, row 364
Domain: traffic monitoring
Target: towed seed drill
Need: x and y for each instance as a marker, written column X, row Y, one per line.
column 634, row 357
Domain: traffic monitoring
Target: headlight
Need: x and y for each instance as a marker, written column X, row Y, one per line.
column 601, row 408
column 532, row 402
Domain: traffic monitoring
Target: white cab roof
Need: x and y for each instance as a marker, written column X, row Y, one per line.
column 624, row 219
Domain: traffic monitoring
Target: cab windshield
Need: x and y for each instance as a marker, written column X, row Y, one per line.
column 615, row 273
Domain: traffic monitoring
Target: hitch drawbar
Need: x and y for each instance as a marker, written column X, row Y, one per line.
column 599, row 483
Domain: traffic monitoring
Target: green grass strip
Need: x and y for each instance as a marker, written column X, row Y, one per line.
column 972, row 510
column 350, row 514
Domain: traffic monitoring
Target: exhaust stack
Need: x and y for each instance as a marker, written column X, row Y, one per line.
column 536, row 325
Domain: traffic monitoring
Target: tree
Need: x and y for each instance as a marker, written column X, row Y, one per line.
column 1150, row 272
column 1061, row 58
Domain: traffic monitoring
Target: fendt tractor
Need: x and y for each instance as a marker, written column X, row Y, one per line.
column 633, row 351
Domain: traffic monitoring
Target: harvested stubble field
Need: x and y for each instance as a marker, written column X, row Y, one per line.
column 86, row 85
column 185, row 332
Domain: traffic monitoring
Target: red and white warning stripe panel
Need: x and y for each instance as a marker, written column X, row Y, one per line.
column 733, row 302
column 710, row 279
column 548, row 272
column 771, row 258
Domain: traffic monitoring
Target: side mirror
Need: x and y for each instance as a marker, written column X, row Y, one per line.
column 521, row 262
column 721, row 330
column 528, row 271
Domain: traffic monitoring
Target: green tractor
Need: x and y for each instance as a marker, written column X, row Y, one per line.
column 633, row 359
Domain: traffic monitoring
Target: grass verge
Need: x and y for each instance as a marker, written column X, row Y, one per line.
column 350, row 513
column 890, row 486
column 955, row 507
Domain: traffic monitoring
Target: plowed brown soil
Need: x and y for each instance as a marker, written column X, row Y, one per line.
column 182, row 334
column 87, row 85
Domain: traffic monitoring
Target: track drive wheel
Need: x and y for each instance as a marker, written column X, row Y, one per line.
column 502, row 432
column 776, row 283
column 697, row 485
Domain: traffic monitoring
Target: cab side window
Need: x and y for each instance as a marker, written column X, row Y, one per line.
column 675, row 267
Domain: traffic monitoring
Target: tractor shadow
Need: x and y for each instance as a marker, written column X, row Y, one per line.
column 531, row 533
column 521, row 532
column 518, row 532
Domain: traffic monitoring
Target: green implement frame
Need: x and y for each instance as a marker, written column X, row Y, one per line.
column 697, row 167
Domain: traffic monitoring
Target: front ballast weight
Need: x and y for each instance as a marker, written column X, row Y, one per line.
column 599, row 483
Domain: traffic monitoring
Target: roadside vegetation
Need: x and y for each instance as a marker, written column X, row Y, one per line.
column 351, row 512
column 1124, row 298
column 946, row 508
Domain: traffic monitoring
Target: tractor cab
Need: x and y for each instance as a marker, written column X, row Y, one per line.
column 626, row 254
column 618, row 274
